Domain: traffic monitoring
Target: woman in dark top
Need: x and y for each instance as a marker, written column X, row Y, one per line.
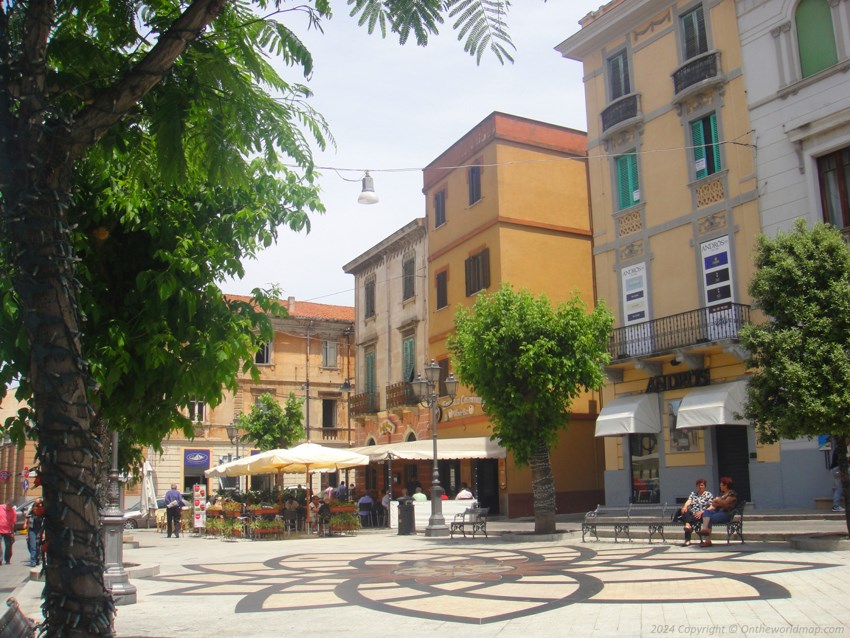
column 718, row 511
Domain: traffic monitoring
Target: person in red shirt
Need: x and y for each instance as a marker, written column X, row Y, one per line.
column 8, row 516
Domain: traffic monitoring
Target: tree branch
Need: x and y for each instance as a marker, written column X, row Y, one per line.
column 116, row 101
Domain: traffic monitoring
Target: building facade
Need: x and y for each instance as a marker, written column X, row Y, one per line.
column 311, row 356
column 675, row 218
column 508, row 203
column 796, row 55
column 391, row 302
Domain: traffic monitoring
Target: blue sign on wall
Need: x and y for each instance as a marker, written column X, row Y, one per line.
column 196, row 458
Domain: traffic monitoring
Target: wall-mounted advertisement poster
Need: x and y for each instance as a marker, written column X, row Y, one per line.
column 638, row 333
column 719, row 293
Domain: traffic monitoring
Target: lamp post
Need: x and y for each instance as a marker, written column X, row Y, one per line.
column 346, row 387
column 427, row 391
column 235, row 439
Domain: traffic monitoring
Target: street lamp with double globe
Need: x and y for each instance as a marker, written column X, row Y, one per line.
column 427, row 391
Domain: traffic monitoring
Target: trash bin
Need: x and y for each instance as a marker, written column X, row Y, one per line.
column 406, row 517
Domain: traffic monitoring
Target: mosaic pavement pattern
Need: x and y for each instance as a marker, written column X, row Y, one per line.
column 486, row 585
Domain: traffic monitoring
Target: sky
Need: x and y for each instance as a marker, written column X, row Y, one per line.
column 392, row 110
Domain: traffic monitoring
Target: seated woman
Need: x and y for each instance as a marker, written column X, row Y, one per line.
column 691, row 512
column 718, row 511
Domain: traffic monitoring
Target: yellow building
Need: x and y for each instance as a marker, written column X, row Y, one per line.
column 311, row 356
column 17, row 478
column 675, row 221
column 508, row 202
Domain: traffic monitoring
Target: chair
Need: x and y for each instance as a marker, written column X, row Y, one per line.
column 290, row 521
column 365, row 510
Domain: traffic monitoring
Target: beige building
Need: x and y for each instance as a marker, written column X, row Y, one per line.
column 675, row 221
column 312, row 355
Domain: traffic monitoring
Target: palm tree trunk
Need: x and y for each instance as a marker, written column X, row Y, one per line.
column 542, row 490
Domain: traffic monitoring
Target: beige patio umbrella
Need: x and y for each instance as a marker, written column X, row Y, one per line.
column 302, row 459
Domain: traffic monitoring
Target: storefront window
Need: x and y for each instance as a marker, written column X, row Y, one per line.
column 644, row 463
column 680, row 440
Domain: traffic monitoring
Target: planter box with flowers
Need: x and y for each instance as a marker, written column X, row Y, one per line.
column 344, row 522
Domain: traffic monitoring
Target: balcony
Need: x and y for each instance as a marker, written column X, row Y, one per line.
column 339, row 435
column 659, row 336
column 365, row 403
column 696, row 71
column 622, row 110
column 400, row 394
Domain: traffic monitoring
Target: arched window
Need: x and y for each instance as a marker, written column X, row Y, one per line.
column 815, row 36
column 410, row 437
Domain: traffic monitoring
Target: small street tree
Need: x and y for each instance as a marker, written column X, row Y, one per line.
column 271, row 425
column 528, row 361
column 800, row 386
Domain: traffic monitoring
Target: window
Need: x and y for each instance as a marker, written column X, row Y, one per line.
column 369, row 293
column 408, row 277
column 474, row 177
column 442, row 281
column 263, row 355
column 627, row 180
column 680, row 440
column 444, row 374
column 328, row 413
column 197, row 408
column 815, row 36
column 477, row 272
column 643, row 450
column 408, row 356
column 618, row 75
column 705, row 145
column 329, row 354
column 834, row 178
column 439, row 208
column 693, row 32
column 371, row 382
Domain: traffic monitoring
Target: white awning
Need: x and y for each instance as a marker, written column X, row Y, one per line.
column 636, row 414
column 713, row 405
column 479, row 447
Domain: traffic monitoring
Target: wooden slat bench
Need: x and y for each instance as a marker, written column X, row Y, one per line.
column 473, row 519
column 623, row 517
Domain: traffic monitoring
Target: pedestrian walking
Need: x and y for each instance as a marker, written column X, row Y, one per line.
column 35, row 529
column 8, row 516
column 173, row 506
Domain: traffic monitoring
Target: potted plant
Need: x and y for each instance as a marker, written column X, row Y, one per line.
column 261, row 527
column 263, row 509
column 344, row 522
column 230, row 528
column 341, row 506
column 214, row 526
column 231, row 509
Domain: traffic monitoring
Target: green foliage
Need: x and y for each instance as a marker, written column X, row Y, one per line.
column 480, row 24
column 801, row 356
column 528, row 361
column 271, row 425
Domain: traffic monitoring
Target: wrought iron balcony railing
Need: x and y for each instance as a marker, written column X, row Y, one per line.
column 365, row 403
column 705, row 325
column 332, row 434
column 400, row 394
column 625, row 108
column 696, row 70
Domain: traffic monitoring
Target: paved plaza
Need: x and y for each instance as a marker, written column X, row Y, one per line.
column 382, row 584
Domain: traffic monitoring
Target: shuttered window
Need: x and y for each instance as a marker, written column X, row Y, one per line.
column 477, row 272
column 693, row 30
column 439, row 208
column 369, row 294
column 441, row 281
column 618, row 75
column 408, row 277
column 815, row 36
column 705, row 146
column 408, row 351
column 474, row 177
column 371, row 384
column 628, row 185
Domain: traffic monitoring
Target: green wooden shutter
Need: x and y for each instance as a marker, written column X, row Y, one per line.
column 627, row 180
column 715, row 142
column 698, row 143
column 815, row 36
column 370, row 372
column 409, row 357
column 693, row 27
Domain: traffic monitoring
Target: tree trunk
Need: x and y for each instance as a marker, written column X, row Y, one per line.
column 76, row 602
column 840, row 443
column 542, row 490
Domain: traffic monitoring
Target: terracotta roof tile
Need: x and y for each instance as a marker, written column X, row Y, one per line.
column 308, row 309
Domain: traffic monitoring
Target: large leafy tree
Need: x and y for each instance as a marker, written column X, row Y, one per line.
column 271, row 425
column 800, row 386
column 528, row 361
column 86, row 84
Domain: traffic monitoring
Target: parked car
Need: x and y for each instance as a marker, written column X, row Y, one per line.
column 134, row 517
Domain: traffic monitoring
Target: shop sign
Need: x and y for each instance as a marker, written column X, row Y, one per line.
column 679, row 380
column 196, row 458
